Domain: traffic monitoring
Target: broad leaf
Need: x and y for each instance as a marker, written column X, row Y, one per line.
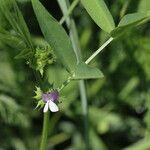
column 55, row 36
column 128, row 21
column 83, row 71
column 99, row 12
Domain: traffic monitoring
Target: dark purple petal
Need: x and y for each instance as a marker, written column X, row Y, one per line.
column 53, row 96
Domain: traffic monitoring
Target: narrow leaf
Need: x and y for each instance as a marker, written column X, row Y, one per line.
column 55, row 36
column 26, row 53
column 11, row 40
column 84, row 71
column 129, row 21
column 14, row 16
column 99, row 12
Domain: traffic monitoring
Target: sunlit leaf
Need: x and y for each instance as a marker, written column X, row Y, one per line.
column 144, row 6
column 99, row 12
column 128, row 21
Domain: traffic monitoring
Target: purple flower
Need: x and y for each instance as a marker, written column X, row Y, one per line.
column 50, row 99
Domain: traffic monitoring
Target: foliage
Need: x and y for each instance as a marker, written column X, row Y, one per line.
column 119, row 103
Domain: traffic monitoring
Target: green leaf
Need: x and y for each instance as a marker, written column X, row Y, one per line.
column 11, row 112
column 11, row 40
column 14, row 16
column 142, row 144
column 99, row 12
column 144, row 6
column 57, row 76
column 129, row 21
column 96, row 141
column 24, row 54
column 55, row 36
column 84, row 71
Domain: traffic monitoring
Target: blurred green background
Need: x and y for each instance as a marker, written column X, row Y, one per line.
column 119, row 104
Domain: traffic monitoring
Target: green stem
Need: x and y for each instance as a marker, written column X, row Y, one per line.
column 124, row 8
column 45, row 116
column 84, row 113
column 65, row 83
column 88, row 60
column 74, row 38
column 98, row 51
column 77, row 49
column 84, row 103
column 69, row 11
column 45, row 131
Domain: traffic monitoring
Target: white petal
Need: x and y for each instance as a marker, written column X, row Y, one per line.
column 45, row 107
column 53, row 107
